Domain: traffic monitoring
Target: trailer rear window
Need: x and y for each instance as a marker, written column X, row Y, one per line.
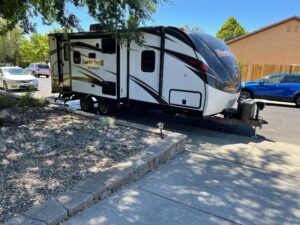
column 148, row 61
column 108, row 46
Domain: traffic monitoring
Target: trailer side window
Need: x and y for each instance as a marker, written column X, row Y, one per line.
column 148, row 61
column 92, row 55
column 76, row 57
column 66, row 52
column 108, row 46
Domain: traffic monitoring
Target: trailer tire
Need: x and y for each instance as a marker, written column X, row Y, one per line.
column 106, row 107
column 87, row 104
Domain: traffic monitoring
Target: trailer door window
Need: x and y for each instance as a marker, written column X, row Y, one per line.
column 76, row 57
column 148, row 61
column 108, row 46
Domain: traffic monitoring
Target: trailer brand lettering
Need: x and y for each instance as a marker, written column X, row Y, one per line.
column 224, row 53
column 92, row 63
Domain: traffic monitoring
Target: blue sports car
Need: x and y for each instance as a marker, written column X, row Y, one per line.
column 276, row 87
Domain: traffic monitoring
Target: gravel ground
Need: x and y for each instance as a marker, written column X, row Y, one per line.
column 52, row 150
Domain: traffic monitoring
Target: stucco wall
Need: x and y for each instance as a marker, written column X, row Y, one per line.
column 279, row 45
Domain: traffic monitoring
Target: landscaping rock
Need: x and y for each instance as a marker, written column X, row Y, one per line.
column 5, row 115
column 3, row 147
column 40, row 157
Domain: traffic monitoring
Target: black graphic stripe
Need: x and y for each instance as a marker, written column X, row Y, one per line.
column 53, row 52
column 85, row 46
column 90, row 72
column 111, row 72
column 72, row 50
column 180, row 35
column 143, row 83
column 88, row 80
column 150, row 92
column 192, row 62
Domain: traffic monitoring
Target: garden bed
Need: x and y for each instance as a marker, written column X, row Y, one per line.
column 50, row 151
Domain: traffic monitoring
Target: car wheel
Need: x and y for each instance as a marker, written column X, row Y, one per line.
column 5, row 87
column 33, row 74
column 246, row 94
column 47, row 76
column 297, row 101
column 87, row 104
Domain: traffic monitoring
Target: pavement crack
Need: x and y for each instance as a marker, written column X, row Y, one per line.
column 189, row 206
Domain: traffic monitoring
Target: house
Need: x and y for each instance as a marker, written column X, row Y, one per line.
column 276, row 44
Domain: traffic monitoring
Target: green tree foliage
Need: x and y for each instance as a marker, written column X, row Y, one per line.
column 230, row 30
column 36, row 49
column 10, row 45
column 113, row 15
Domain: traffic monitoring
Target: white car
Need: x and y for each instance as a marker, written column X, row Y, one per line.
column 16, row 78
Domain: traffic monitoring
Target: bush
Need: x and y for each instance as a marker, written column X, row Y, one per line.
column 7, row 101
column 26, row 100
column 29, row 101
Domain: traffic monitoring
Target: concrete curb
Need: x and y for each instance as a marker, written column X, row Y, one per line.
column 89, row 191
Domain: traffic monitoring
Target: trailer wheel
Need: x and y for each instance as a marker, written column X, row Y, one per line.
column 87, row 104
column 106, row 107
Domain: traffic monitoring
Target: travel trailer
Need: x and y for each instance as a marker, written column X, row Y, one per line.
column 171, row 69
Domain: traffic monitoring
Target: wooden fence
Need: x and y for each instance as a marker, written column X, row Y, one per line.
column 254, row 72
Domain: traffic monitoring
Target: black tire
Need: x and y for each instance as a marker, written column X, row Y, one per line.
column 87, row 104
column 47, row 76
column 33, row 74
column 5, row 87
column 106, row 107
column 246, row 94
column 297, row 101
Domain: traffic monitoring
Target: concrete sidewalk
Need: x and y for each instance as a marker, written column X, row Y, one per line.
column 233, row 180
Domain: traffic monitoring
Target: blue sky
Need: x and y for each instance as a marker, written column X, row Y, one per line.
column 208, row 14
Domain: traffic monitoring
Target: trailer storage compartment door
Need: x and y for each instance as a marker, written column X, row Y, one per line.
column 188, row 99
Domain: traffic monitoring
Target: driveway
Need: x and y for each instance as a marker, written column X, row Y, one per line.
column 222, row 179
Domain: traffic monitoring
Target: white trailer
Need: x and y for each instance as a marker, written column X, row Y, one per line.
column 174, row 70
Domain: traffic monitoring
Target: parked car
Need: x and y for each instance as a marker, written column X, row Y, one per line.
column 38, row 69
column 276, row 87
column 16, row 78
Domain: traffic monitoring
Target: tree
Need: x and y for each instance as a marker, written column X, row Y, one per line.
column 230, row 30
column 36, row 49
column 9, row 45
column 113, row 15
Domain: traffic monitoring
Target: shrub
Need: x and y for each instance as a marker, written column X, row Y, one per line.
column 29, row 101
column 7, row 101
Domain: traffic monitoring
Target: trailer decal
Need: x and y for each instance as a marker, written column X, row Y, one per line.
column 88, row 80
column 149, row 90
column 91, row 73
column 85, row 46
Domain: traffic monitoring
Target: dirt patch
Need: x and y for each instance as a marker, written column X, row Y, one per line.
column 53, row 150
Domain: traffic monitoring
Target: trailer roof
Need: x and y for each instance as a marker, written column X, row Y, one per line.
column 148, row 28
